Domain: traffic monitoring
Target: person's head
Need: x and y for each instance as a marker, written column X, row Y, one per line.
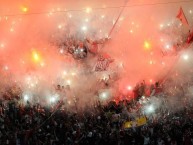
column 157, row 84
column 101, row 57
column 58, row 86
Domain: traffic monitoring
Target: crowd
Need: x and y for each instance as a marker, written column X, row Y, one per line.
column 34, row 124
column 79, row 48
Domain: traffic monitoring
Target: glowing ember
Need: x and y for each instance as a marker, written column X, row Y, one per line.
column 35, row 56
column 147, row 45
column 24, row 9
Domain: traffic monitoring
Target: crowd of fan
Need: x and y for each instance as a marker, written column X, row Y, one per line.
column 79, row 48
column 102, row 124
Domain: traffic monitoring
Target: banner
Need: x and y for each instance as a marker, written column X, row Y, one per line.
column 136, row 123
column 141, row 121
column 181, row 16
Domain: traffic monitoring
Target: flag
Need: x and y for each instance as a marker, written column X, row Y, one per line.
column 103, row 62
column 102, row 65
column 135, row 123
column 141, row 121
column 181, row 16
column 190, row 38
column 128, row 124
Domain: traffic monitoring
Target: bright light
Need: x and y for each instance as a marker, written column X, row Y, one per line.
column 32, row 84
column 73, row 73
column 129, row 87
column 131, row 31
column 102, row 16
column 190, row 11
column 42, row 64
column 84, row 28
column 52, row 99
column 121, row 19
column 88, row 10
column 150, row 62
column 2, row 45
column 6, row 67
column 86, row 20
column 104, row 95
column 147, row 45
column 185, row 57
column 161, row 25
column 114, row 22
column 121, row 64
column 69, row 15
column 24, row 9
column 68, row 82
column 11, row 29
column 28, row 78
column 61, row 50
column 161, row 39
column 59, row 26
column 167, row 46
column 64, row 73
column 26, row 97
column 150, row 109
column 35, row 56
